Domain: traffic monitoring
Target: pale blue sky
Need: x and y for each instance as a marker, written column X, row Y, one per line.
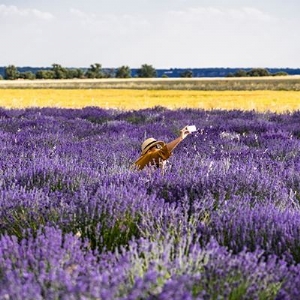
column 163, row 33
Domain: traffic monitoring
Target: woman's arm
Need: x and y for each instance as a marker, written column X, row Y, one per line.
column 183, row 134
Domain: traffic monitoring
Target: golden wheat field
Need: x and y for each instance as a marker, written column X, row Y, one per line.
column 129, row 99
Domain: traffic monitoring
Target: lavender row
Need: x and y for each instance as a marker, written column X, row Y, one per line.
column 53, row 265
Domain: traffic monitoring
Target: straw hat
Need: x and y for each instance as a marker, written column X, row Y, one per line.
column 149, row 143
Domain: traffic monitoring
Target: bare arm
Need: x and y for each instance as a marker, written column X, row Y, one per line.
column 183, row 134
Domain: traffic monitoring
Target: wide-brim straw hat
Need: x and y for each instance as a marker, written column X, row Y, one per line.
column 149, row 143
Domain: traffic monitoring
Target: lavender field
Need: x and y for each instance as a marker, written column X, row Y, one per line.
column 76, row 222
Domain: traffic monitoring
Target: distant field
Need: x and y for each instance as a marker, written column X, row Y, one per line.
column 134, row 99
column 284, row 83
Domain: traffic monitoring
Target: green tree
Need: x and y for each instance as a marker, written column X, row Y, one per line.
column 258, row 72
column 44, row 74
column 75, row 73
column 11, row 72
column 123, row 72
column 281, row 73
column 146, row 71
column 95, row 71
column 27, row 75
column 240, row 73
column 80, row 73
column 59, row 72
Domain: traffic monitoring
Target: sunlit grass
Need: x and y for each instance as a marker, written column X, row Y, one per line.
column 277, row 101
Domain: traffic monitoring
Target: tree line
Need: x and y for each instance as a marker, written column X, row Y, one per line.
column 57, row 71
column 94, row 71
column 257, row 72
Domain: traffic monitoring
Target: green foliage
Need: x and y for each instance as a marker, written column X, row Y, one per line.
column 135, row 119
column 19, row 219
column 146, row 71
column 215, row 285
column 44, row 74
column 27, row 75
column 102, row 233
column 280, row 74
column 59, row 72
column 11, row 73
column 258, row 72
column 271, row 291
column 95, row 71
column 123, row 72
column 240, row 73
column 74, row 73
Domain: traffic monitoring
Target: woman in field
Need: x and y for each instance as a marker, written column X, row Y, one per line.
column 155, row 153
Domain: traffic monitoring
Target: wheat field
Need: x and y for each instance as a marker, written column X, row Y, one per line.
column 130, row 99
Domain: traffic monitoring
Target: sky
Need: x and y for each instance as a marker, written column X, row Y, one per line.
column 161, row 33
